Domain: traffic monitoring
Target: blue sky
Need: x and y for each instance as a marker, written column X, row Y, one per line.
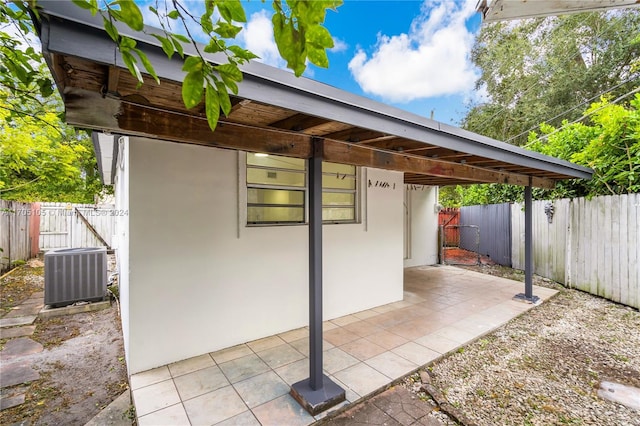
column 411, row 54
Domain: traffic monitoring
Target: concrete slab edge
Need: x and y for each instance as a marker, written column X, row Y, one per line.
column 114, row 414
column 49, row 312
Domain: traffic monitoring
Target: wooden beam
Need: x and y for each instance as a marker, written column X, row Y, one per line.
column 343, row 152
column 299, row 122
column 190, row 129
column 354, row 134
column 378, row 139
column 91, row 110
column 113, row 78
column 239, row 105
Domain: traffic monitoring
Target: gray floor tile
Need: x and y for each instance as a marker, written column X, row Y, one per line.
column 294, row 372
column 200, row 382
column 243, row 419
column 302, row 346
column 437, row 343
column 229, row 354
column 266, row 343
column 392, row 365
column 150, row 377
column 214, row 407
column 190, row 365
column 174, row 415
column 298, row 333
column 362, row 378
column 261, row 388
column 155, row 397
column 243, row 368
column 282, row 411
column 280, row 355
column 336, row 359
column 416, row 353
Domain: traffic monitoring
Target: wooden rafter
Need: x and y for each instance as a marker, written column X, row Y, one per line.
column 113, row 79
column 299, row 122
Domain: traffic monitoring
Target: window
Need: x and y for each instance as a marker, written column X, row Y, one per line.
column 277, row 191
column 338, row 192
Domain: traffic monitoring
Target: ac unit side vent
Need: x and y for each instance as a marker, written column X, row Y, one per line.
column 75, row 275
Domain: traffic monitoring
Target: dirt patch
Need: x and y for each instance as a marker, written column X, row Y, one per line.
column 82, row 367
column 20, row 284
column 461, row 257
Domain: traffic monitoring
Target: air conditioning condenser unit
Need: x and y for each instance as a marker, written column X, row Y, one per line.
column 74, row 275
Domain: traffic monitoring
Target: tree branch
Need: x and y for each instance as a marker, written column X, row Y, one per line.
column 35, row 117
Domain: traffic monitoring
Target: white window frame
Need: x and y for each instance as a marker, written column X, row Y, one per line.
column 246, row 185
column 356, row 195
column 302, row 189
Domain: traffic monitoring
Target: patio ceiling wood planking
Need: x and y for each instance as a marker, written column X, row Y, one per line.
column 443, row 309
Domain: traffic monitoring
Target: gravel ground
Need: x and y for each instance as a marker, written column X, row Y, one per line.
column 546, row 366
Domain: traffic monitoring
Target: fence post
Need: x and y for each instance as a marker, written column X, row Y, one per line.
column 568, row 251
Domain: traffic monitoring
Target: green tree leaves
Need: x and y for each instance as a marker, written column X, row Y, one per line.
column 41, row 159
column 542, row 73
column 608, row 143
column 299, row 34
column 21, row 66
column 130, row 14
column 297, row 24
column 549, row 70
column 610, row 146
column 193, row 83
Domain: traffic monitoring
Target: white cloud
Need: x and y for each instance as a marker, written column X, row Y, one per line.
column 338, row 45
column 433, row 59
column 257, row 36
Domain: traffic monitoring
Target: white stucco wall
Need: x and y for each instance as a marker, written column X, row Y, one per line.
column 121, row 189
column 200, row 280
column 422, row 235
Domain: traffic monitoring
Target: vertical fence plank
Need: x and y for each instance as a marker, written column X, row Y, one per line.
column 585, row 249
column 517, row 259
column 539, row 240
column 604, row 242
column 562, row 241
column 623, row 250
column 592, row 260
column 633, row 224
column 613, row 267
column 568, row 270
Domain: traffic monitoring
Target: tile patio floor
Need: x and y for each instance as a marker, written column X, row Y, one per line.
column 443, row 308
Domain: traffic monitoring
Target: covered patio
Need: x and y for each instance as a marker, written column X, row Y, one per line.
column 444, row 308
column 275, row 113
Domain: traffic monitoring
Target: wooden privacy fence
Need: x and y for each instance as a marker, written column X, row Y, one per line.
column 76, row 225
column 19, row 224
column 591, row 245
